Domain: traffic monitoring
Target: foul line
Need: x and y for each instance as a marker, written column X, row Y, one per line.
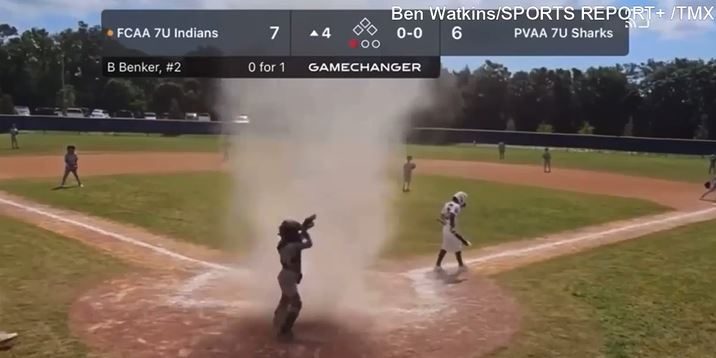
column 413, row 272
column 587, row 237
column 120, row 237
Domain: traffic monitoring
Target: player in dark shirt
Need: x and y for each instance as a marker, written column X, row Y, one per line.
column 294, row 239
column 408, row 168
column 547, row 161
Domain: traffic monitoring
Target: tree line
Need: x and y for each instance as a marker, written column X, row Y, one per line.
column 39, row 69
column 674, row 98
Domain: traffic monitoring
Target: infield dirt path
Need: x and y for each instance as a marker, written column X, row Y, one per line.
column 676, row 195
column 141, row 316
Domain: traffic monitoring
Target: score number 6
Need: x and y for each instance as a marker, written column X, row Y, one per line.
column 457, row 32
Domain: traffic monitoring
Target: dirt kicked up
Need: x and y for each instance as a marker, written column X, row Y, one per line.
column 184, row 305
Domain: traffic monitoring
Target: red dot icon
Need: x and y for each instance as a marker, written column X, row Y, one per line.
column 353, row 43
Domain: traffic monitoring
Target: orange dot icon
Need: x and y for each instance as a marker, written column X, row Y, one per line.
column 110, row 33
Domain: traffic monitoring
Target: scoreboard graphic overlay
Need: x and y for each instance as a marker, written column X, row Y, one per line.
column 395, row 43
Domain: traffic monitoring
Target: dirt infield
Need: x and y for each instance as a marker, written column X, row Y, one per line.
column 673, row 194
column 188, row 303
column 676, row 195
column 138, row 316
column 45, row 166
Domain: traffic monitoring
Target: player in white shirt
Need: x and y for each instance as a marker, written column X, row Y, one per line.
column 710, row 186
column 452, row 241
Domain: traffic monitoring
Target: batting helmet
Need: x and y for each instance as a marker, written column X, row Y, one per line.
column 289, row 229
column 707, row 185
column 461, row 197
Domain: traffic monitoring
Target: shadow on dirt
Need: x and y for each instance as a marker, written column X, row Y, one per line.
column 254, row 337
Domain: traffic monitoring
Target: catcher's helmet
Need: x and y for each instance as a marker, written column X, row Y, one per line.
column 461, row 197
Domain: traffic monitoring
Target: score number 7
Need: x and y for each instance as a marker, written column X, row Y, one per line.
column 274, row 32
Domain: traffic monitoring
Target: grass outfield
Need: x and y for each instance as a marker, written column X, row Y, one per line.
column 53, row 143
column 652, row 297
column 193, row 206
column 42, row 273
column 671, row 167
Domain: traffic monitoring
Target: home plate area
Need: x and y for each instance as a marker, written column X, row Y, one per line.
column 209, row 315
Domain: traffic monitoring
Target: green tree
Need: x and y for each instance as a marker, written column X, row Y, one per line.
column 167, row 97
column 119, row 94
column 6, row 105
column 485, row 96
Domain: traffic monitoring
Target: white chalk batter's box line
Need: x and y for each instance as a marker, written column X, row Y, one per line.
column 423, row 287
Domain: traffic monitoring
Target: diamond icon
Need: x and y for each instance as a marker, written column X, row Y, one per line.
column 365, row 22
column 372, row 30
column 357, row 30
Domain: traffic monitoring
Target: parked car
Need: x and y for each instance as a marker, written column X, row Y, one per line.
column 124, row 113
column 204, row 117
column 150, row 115
column 46, row 111
column 74, row 113
column 191, row 116
column 99, row 113
column 242, row 118
column 21, row 110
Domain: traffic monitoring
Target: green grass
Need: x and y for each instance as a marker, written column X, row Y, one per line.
column 190, row 206
column 652, row 297
column 671, row 167
column 499, row 213
column 53, row 142
column 40, row 276
column 193, row 207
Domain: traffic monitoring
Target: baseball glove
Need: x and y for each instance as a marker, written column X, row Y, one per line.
column 308, row 222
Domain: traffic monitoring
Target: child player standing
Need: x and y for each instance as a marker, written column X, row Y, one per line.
column 408, row 168
column 547, row 157
column 452, row 241
column 71, row 166
column 294, row 239
column 13, row 137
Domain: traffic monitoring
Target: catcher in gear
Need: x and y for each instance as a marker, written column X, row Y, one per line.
column 452, row 240
column 294, row 239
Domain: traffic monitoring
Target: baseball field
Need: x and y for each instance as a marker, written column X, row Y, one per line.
column 608, row 255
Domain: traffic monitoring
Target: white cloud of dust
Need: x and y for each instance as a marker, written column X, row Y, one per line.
column 330, row 147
